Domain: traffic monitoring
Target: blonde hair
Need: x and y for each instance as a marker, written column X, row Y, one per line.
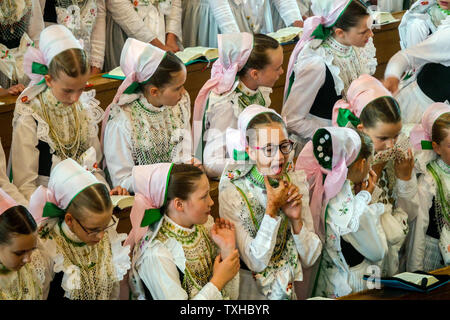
column 73, row 62
column 95, row 199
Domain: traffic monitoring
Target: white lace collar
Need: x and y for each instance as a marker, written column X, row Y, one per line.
column 69, row 233
column 143, row 102
column 338, row 47
column 246, row 90
column 188, row 230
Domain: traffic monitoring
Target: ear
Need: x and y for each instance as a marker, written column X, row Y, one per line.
column 360, row 127
column 48, row 80
column 178, row 204
column 254, row 74
column 339, row 32
column 251, row 153
column 436, row 147
column 362, row 164
column 68, row 219
column 154, row 91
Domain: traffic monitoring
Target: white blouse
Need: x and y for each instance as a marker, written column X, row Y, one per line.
column 137, row 133
column 224, row 16
column 358, row 222
column 6, row 185
column 345, row 64
column 29, row 128
column 259, row 236
column 434, row 49
column 146, row 20
column 159, row 261
column 223, row 112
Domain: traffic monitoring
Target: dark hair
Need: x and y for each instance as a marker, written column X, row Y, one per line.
column 17, row 220
column 351, row 16
column 440, row 128
column 164, row 73
column 261, row 119
column 95, row 199
column 73, row 62
column 182, row 182
column 384, row 109
column 366, row 146
column 259, row 58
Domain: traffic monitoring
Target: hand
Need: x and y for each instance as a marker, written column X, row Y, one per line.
column 298, row 24
column 223, row 234
column 171, row 42
column 370, row 183
column 195, row 162
column 276, row 197
column 378, row 168
column 391, row 84
column 119, row 191
column 293, row 206
column 403, row 168
column 160, row 45
column 225, row 270
column 16, row 89
column 95, row 70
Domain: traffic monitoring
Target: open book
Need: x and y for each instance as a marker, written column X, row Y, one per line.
column 122, row 202
column 286, row 34
column 383, row 18
column 115, row 73
column 194, row 54
column 413, row 281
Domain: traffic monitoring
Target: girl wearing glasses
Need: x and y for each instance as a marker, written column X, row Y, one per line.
column 336, row 48
column 268, row 204
column 78, row 231
column 179, row 252
column 339, row 160
column 370, row 108
column 25, row 268
column 247, row 69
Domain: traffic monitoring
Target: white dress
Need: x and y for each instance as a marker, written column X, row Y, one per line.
column 89, row 272
column 353, row 218
column 421, row 20
column 32, row 281
column 222, row 112
column 423, row 251
column 33, row 150
column 87, row 21
column 273, row 254
column 203, row 20
column 19, row 29
column 138, row 133
column 310, row 74
column 412, row 100
column 176, row 263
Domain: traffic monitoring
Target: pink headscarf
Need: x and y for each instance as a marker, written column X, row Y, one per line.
column 346, row 145
column 52, row 41
column 361, row 92
column 138, row 61
column 326, row 13
column 150, row 185
column 67, row 180
column 234, row 51
column 420, row 135
column 6, row 201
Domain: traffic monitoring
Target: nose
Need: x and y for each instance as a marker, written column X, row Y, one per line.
column 281, row 71
column 390, row 143
column 27, row 258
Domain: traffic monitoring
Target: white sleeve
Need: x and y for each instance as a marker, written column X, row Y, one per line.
column 36, row 22
column 224, row 16
column 7, row 186
column 99, row 173
column 415, row 32
column 124, row 14
column 25, row 155
column 309, row 78
column 173, row 20
column 118, row 152
column 433, row 49
column 255, row 252
column 219, row 117
column 307, row 241
column 408, row 197
column 288, row 10
column 185, row 153
column 160, row 275
column 97, row 54
column 365, row 237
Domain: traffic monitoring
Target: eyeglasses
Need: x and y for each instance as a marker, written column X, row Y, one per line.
column 96, row 232
column 271, row 149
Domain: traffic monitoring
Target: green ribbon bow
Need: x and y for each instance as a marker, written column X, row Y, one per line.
column 345, row 116
column 132, row 88
column 426, row 145
column 39, row 68
column 51, row 210
column 240, row 155
column 151, row 216
column 321, row 32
